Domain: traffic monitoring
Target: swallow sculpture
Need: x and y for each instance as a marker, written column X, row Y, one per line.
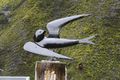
column 42, row 43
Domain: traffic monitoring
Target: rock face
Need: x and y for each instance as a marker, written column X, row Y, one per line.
column 100, row 61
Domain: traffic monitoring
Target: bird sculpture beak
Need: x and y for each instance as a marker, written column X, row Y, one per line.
column 44, row 32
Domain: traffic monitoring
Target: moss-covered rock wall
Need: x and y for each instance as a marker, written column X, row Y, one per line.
column 92, row 62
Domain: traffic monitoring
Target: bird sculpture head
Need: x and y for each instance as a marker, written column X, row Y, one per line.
column 39, row 35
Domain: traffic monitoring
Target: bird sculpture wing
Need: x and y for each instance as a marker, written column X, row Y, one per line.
column 34, row 48
column 55, row 26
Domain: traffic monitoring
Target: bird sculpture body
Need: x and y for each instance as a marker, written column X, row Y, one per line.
column 53, row 40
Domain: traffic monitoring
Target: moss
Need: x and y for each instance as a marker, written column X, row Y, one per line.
column 100, row 61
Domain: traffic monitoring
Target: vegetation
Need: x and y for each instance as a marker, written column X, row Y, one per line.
column 92, row 62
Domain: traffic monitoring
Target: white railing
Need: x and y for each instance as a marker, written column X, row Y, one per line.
column 14, row 78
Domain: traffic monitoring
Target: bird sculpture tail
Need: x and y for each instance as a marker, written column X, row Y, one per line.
column 87, row 40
